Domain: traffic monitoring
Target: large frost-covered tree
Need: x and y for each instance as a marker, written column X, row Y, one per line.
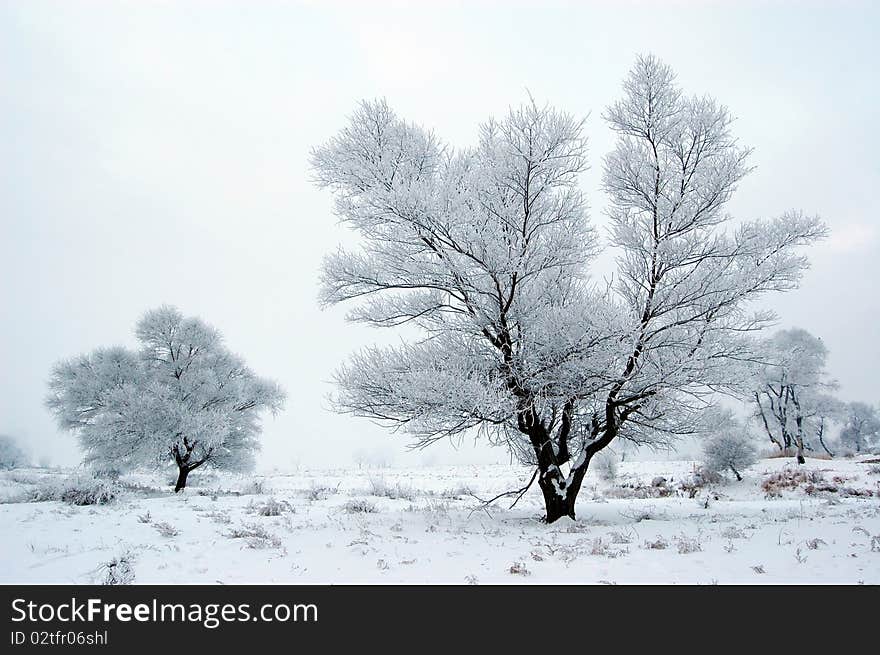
column 792, row 393
column 183, row 397
column 486, row 251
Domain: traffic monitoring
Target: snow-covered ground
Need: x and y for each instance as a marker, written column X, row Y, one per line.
column 427, row 526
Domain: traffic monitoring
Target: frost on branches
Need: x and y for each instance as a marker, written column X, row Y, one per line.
column 792, row 394
column 11, row 454
column 487, row 250
column 182, row 397
column 728, row 445
column 861, row 429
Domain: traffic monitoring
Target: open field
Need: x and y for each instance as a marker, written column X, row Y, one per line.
column 818, row 523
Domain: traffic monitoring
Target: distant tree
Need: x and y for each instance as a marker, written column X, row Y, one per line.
column 183, row 397
column 11, row 454
column 791, row 389
column 861, row 430
column 730, row 446
column 486, row 251
column 825, row 410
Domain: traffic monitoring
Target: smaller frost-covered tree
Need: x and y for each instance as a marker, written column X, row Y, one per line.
column 862, row 428
column 730, row 446
column 183, row 397
column 11, row 454
column 826, row 409
column 790, row 395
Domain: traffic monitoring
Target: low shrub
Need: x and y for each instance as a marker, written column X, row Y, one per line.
column 255, row 536
column 78, row 489
column 359, row 506
column 166, row 529
column 380, row 487
column 272, row 507
column 119, row 570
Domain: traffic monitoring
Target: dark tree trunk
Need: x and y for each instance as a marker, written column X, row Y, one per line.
column 560, row 491
column 181, row 478
column 773, row 439
column 186, row 462
column 799, row 453
column 555, row 504
column 820, row 432
column 736, row 473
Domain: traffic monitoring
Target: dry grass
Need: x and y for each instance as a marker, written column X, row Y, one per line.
column 657, row 544
column 790, row 479
column 519, row 568
column 166, row 529
column 255, row 536
column 359, row 506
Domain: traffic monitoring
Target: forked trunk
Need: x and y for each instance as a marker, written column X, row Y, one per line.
column 560, row 491
column 556, row 504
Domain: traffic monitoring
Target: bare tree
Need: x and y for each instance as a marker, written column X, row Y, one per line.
column 487, row 250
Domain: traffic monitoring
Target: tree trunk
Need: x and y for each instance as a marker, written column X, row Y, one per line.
column 820, row 432
column 736, row 473
column 181, row 478
column 786, row 439
column 773, row 439
column 555, row 504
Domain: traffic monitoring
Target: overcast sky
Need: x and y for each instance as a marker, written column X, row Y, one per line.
column 156, row 152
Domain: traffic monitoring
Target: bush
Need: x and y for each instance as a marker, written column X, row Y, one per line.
column 255, row 536
column 658, row 544
column 273, row 507
column 701, row 477
column 166, row 529
column 605, row 464
column 119, row 570
column 688, row 545
column 730, row 450
column 78, row 489
column 518, row 568
column 359, row 506
column 254, row 488
column 316, row 492
column 380, row 487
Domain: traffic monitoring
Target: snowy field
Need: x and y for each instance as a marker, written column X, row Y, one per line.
column 818, row 523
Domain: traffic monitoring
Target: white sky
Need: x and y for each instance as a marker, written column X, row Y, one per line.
column 156, row 152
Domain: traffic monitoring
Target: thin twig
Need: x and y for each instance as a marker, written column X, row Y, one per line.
column 519, row 493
